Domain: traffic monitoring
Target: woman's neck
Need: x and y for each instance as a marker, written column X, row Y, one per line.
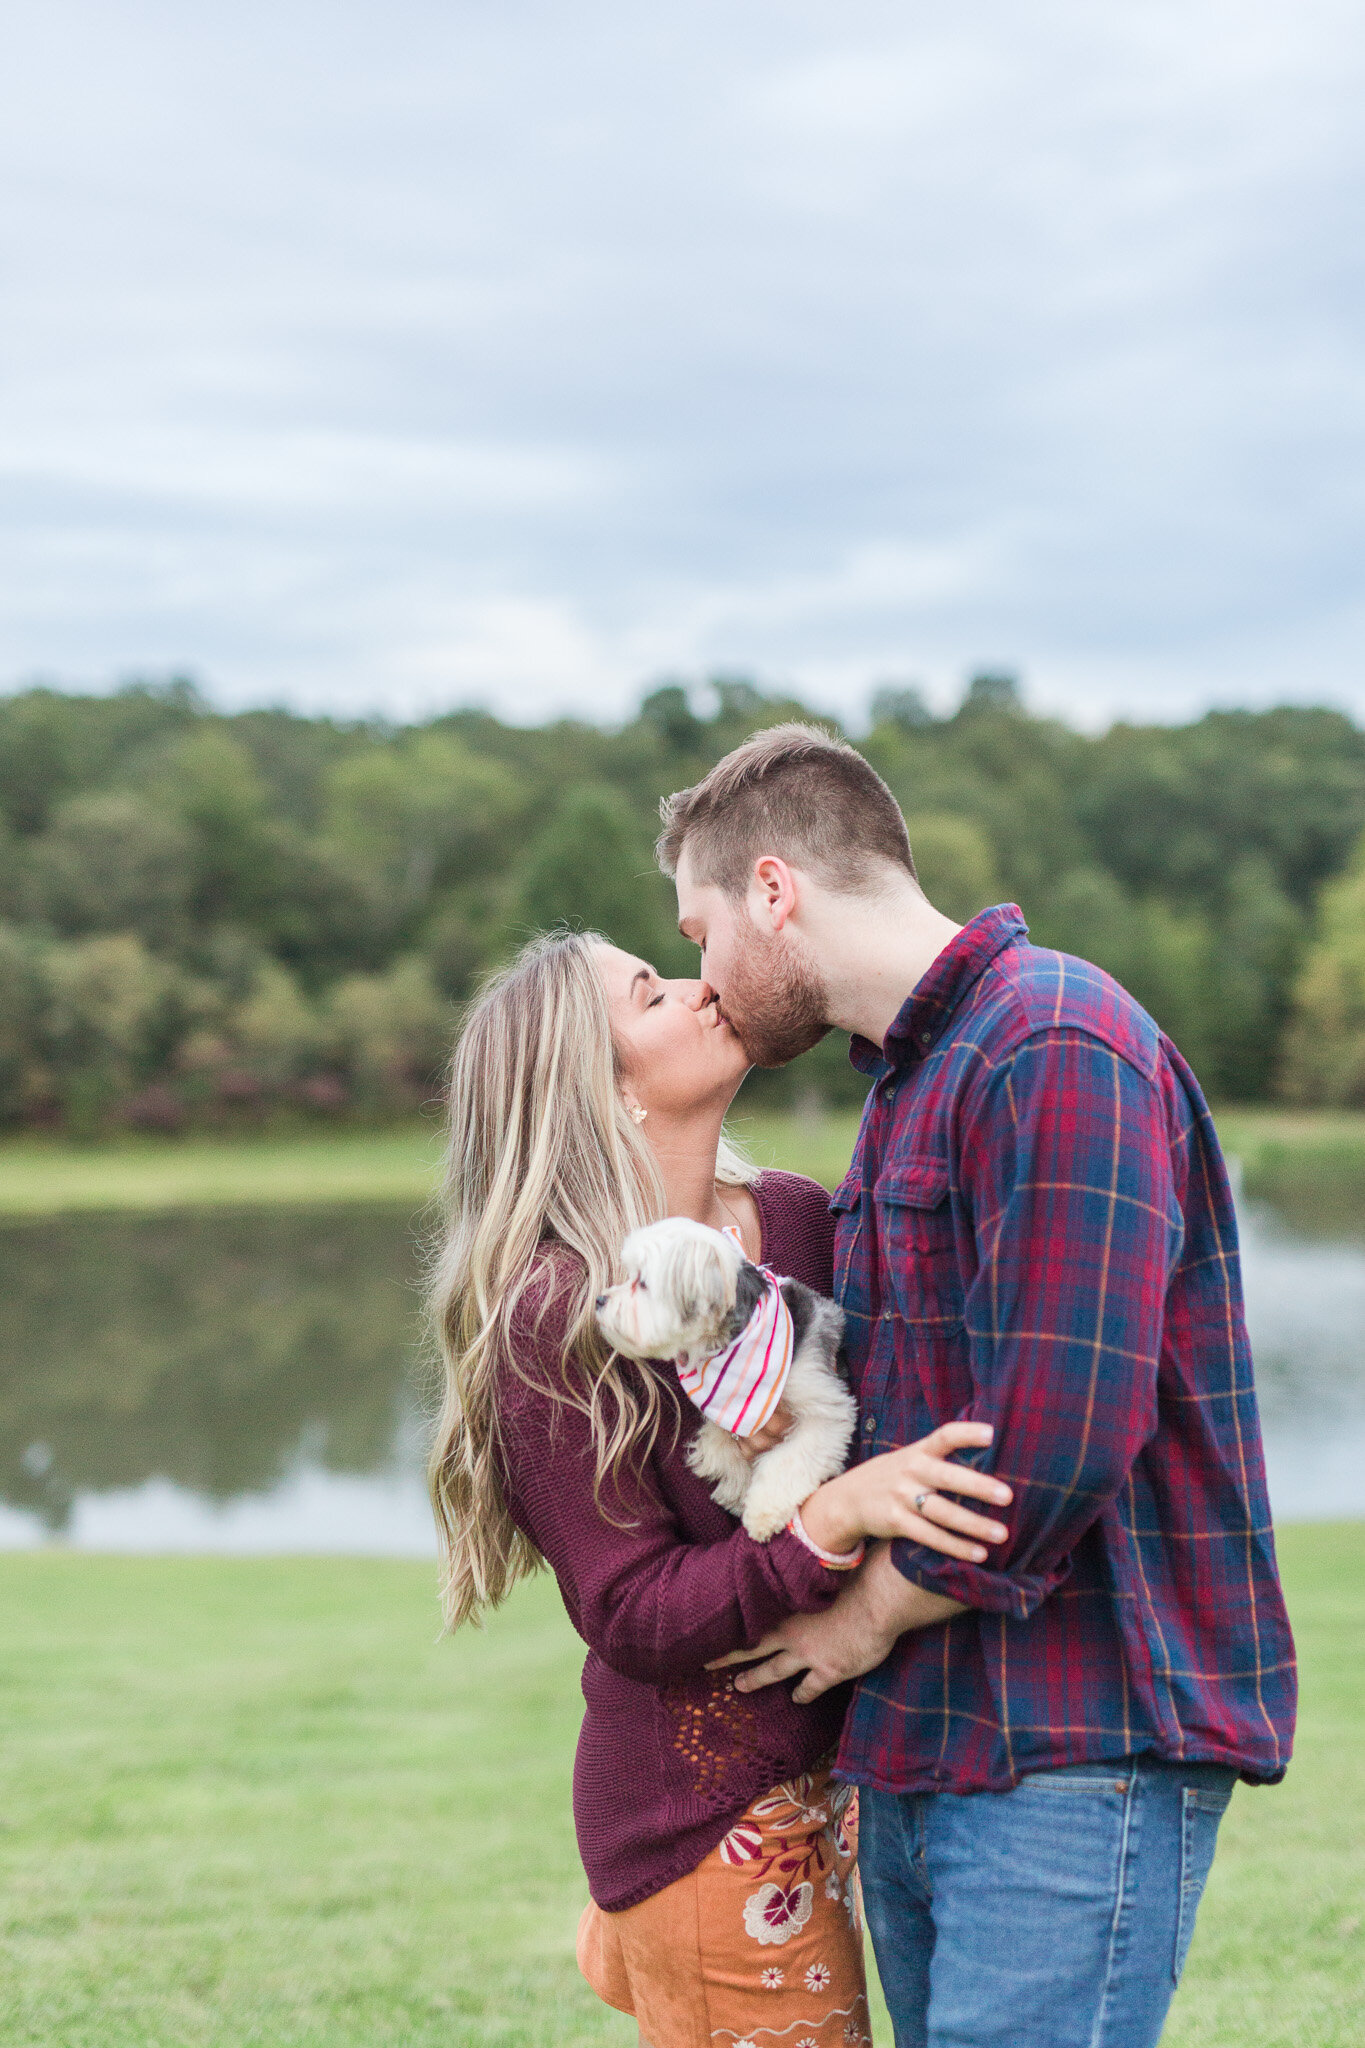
column 685, row 1149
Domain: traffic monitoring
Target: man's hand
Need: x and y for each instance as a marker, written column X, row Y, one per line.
column 853, row 1636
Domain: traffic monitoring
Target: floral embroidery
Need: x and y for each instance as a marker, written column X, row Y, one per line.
column 808, row 2041
column 772, row 1979
column 817, row 1977
column 833, row 1888
column 773, row 1915
column 742, row 1844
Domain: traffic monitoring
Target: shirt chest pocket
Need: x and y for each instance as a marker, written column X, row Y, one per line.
column 917, row 1249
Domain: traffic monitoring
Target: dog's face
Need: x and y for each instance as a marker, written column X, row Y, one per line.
column 678, row 1295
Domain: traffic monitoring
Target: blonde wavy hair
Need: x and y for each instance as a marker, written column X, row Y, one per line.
column 541, row 1154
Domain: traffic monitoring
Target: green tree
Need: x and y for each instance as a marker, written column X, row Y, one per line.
column 207, row 781
column 110, row 1008
column 111, row 861
column 903, row 705
column 593, row 868
column 21, row 1006
column 393, row 1032
column 418, row 814
column 955, row 864
column 1324, row 1048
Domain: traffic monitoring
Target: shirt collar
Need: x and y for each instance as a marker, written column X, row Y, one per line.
column 950, row 978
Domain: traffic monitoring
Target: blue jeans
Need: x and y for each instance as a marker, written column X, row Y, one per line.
column 1057, row 1915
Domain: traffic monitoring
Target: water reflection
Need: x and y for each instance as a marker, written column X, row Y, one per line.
column 211, row 1381
column 247, row 1382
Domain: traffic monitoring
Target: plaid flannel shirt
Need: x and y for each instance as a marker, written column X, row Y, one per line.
column 1037, row 1231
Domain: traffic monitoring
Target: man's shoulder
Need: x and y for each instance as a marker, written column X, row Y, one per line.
column 1031, row 991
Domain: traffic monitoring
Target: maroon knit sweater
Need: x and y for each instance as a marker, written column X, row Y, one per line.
column 669, row 1755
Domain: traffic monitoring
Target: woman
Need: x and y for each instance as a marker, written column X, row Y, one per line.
column 587, row 1096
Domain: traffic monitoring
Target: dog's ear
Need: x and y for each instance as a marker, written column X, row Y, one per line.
column 749, row 1288
column 698, row 1282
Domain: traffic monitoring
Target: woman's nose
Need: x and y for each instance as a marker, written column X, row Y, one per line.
column 700, row 994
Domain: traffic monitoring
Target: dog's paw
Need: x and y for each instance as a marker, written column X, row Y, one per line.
column 763, row 1519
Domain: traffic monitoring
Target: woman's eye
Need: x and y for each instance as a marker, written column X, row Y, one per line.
column 655, row 1001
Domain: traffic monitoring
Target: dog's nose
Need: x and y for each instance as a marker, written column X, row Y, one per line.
column 600, row 1301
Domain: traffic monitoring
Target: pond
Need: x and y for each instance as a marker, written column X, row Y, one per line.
column 250, row 1381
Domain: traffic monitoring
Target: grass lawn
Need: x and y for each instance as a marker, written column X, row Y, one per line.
column 41, row 1177
column 1318, row 1155
column 259, row 1802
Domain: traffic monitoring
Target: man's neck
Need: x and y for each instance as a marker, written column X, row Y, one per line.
column 873, row 952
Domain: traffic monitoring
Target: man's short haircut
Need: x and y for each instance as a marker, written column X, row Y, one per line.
column 796, row 792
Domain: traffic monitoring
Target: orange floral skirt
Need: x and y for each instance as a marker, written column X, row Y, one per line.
column 759, row 1947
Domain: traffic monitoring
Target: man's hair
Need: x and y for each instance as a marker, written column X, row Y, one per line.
column 794, row 791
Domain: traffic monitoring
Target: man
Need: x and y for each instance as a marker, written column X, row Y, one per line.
column 1036, row 1232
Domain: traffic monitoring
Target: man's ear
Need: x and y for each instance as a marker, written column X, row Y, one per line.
column 775, row 885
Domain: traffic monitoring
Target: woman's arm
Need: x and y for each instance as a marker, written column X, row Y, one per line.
column 906, row 1493
column 652, row 1604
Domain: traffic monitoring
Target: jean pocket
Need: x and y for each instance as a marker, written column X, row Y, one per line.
column 1097, row 1777
column 1202, row 1808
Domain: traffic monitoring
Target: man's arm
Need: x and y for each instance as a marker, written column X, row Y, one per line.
column 851, row 1637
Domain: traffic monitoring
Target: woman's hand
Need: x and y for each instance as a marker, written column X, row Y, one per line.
column 779, row 1424
column 905, row 1493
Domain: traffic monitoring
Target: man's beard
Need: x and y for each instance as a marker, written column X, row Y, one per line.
column 775, row 1001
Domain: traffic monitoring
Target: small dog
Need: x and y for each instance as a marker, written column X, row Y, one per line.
column 689, row 1292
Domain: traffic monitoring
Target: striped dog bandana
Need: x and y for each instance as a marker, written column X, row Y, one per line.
column 738, row 1388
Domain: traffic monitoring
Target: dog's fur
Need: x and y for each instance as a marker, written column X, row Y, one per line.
column 688, row 1292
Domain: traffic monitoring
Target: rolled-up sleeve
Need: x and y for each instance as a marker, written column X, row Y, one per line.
column 1066, row 1171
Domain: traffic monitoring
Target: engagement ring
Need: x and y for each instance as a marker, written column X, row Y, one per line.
column 918, row 1502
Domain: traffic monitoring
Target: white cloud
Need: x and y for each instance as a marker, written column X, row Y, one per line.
column 406, row 355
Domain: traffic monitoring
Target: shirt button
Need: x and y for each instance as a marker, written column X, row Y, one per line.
column 870, row 1426
column 926, row 1038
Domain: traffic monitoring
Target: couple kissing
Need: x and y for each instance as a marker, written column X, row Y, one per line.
column 992, row 1683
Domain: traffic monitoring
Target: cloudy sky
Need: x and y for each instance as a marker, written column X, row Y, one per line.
column 392, row 356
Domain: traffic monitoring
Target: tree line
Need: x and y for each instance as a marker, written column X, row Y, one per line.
column 218, row 918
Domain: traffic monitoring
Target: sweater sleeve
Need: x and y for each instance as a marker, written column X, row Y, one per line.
column 655, row 1605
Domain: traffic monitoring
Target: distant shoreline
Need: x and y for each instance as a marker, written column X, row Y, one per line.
column 1280, row 1150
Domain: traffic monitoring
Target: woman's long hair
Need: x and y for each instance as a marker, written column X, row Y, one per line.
column 541, row 1153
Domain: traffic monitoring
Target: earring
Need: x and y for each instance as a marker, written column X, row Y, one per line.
column 638, row 1113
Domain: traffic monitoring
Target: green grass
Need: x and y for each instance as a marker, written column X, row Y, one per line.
column 47, row 1177
column 44, row 1178
column 1281, row 1150
column 258, row 1802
